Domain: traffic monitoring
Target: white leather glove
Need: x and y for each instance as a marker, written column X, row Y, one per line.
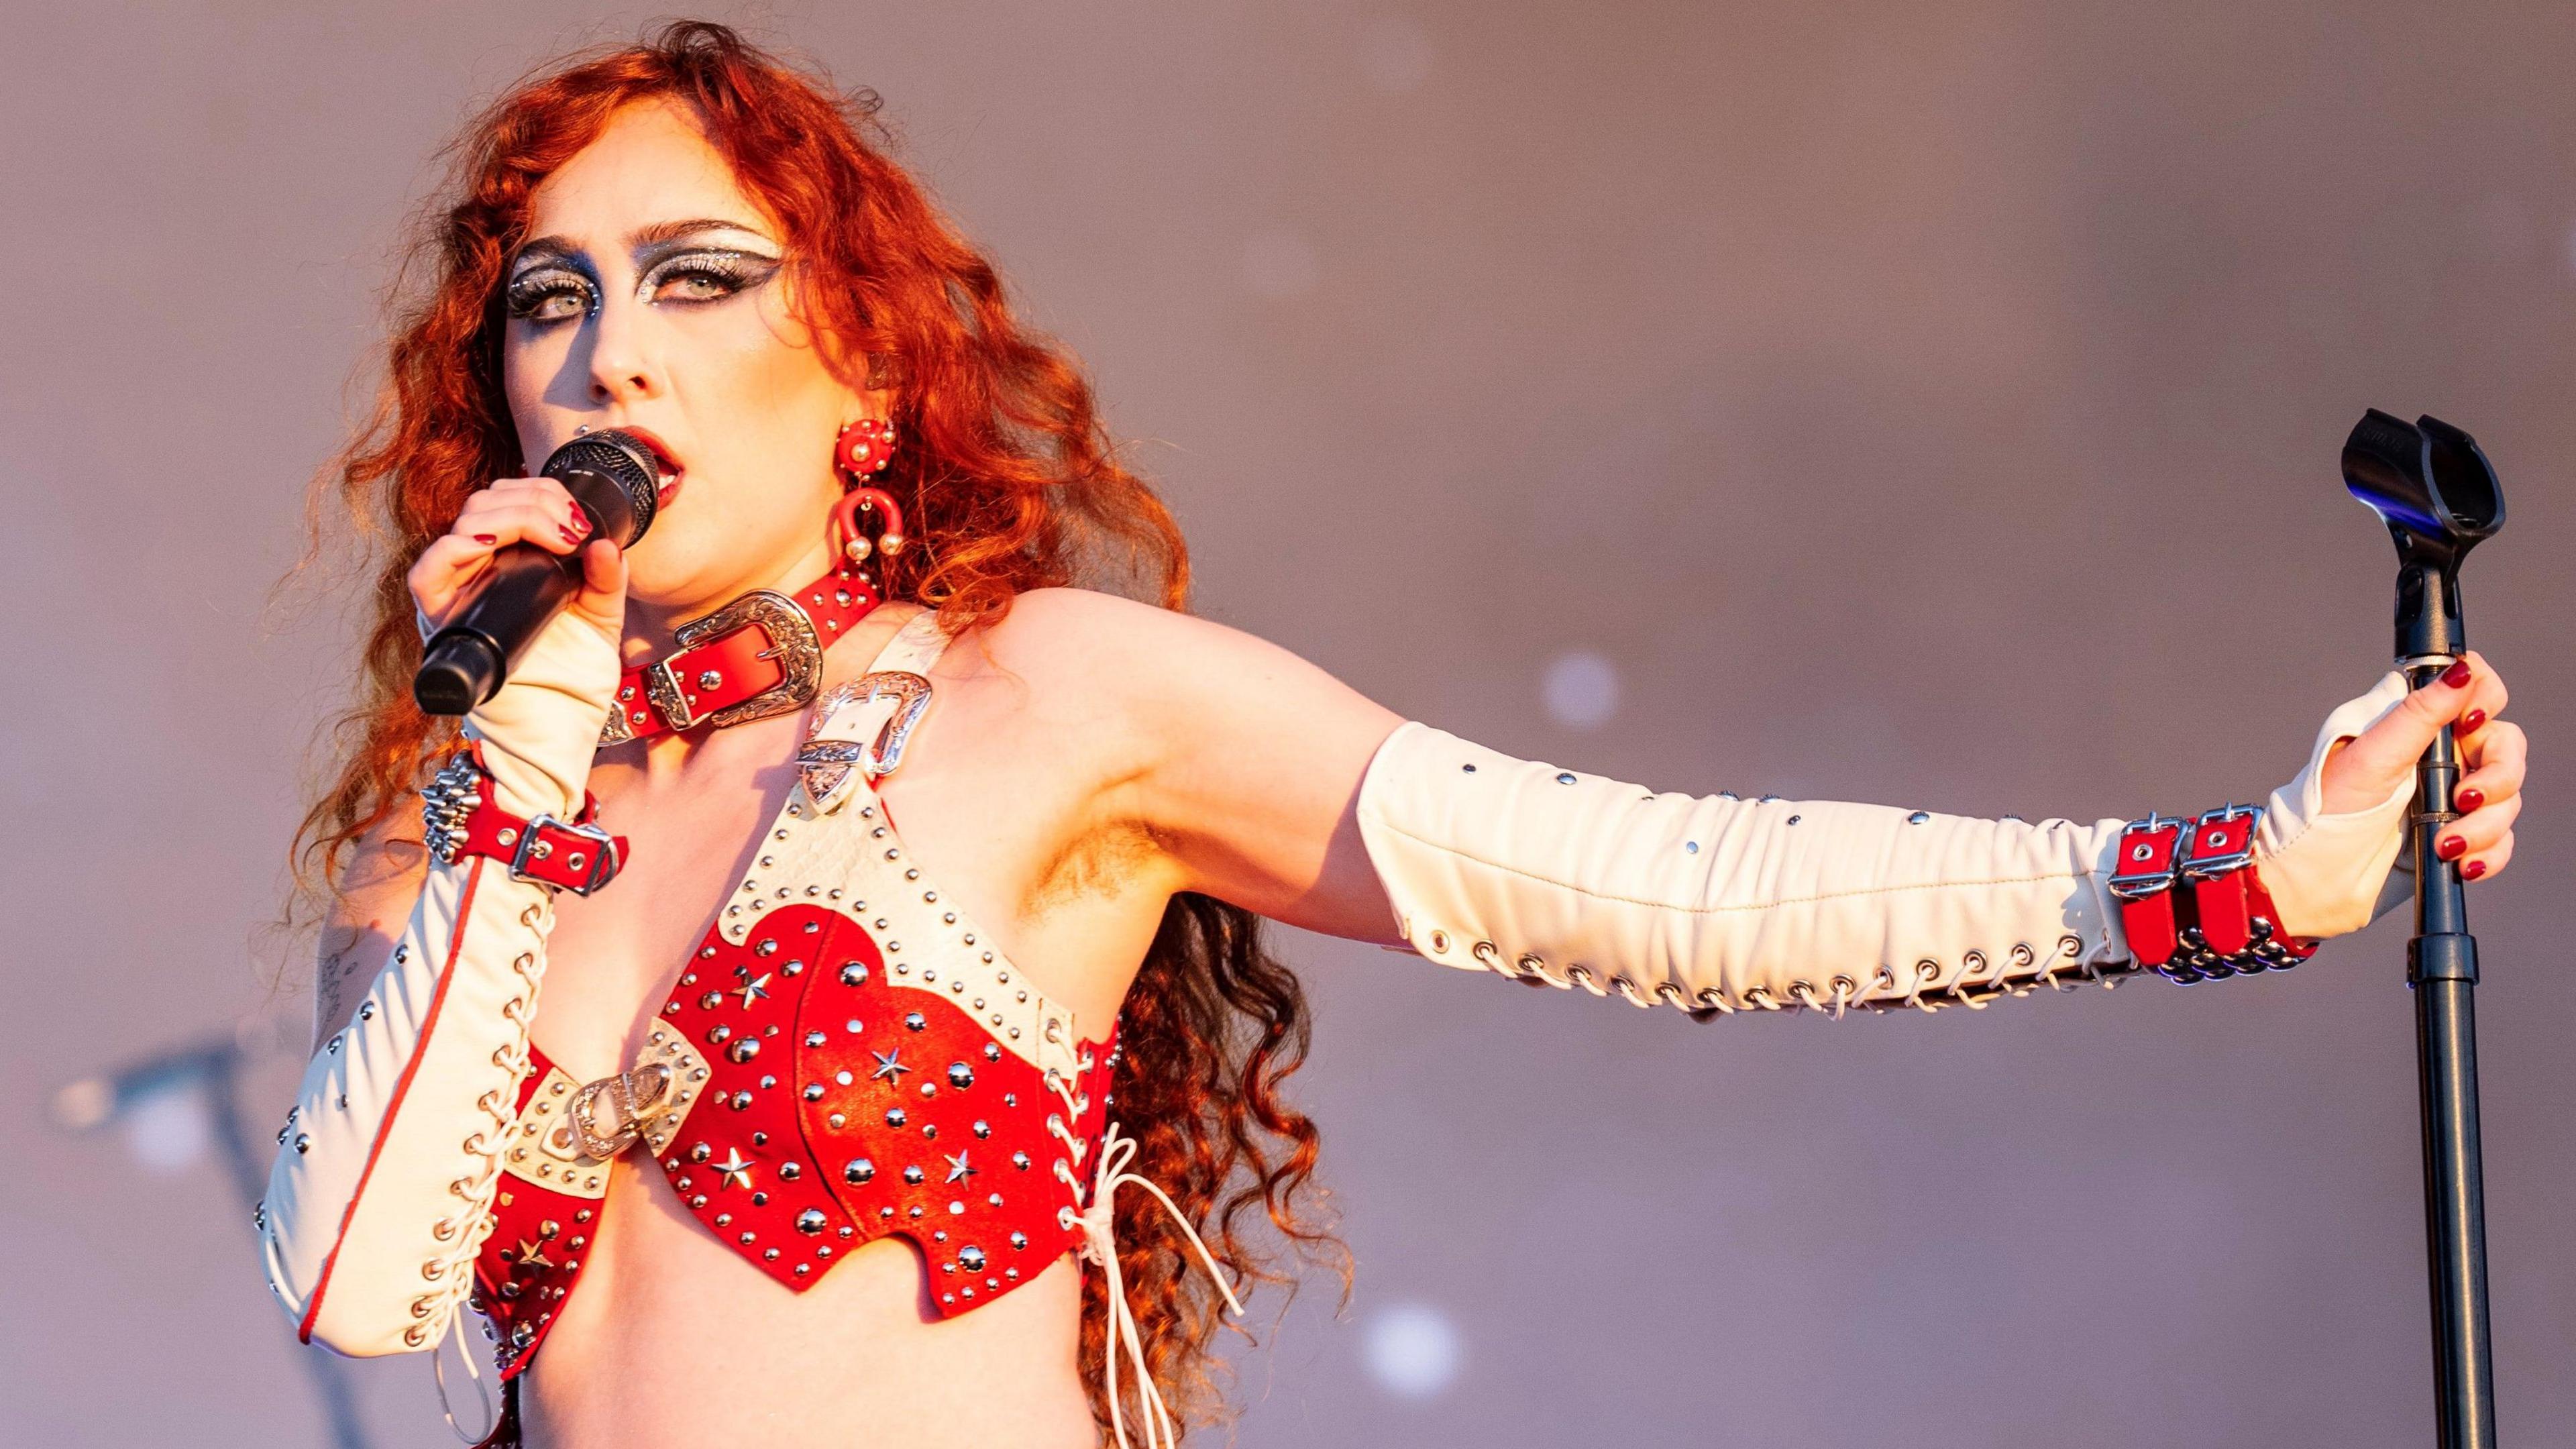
column 1719, row 904
column 380, row 1198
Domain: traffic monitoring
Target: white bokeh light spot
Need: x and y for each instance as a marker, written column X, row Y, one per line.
column 1581, row 689
column 168, row 1131
column 1413, row 1350
column 1279, row 263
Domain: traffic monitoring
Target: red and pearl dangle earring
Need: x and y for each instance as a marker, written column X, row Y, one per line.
column 864, row 449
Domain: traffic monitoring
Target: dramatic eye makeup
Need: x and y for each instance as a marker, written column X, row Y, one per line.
column 694, row 275
column 551, row 288
column 677, row 265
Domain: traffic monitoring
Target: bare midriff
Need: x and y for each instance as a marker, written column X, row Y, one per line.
column 674, row 1341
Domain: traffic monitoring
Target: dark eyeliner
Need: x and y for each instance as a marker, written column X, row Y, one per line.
column 532, row 288
column 732, row 269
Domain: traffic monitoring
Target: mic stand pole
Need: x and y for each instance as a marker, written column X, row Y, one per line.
column 2442, row 967
column 2439, row 497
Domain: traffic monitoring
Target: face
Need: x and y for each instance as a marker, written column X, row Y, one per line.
column 654, row 295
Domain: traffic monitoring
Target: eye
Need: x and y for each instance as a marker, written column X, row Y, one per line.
column 549, row 294
column 711, row 276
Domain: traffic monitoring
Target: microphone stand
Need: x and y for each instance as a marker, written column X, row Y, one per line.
column 212, row 1068
column 2439, row 497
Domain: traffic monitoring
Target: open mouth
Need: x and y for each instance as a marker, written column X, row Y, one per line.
column 667, row 468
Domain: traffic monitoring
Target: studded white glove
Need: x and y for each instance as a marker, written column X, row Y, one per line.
column 380, row 1196
column 1720, row 904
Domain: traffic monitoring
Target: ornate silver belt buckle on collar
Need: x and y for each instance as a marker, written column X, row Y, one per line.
column 792, row 642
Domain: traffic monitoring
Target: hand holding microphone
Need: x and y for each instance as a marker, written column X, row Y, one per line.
column 521, row 551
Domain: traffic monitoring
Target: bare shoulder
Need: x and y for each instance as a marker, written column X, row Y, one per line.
column 1182, row 690
column 1072, row 627
column 1135, row 654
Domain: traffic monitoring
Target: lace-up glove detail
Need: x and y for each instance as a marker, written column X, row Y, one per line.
column 380, row 1196
column 1717, row 904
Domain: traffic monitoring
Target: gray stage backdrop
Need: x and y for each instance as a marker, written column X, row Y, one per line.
column 1930, row 405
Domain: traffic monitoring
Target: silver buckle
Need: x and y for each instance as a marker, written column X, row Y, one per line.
column 792, row 642
column 826, row 764
column 2138, row 885
column 636, row 1097
column 598, row 869
column 911, row 693
column 2201, row 867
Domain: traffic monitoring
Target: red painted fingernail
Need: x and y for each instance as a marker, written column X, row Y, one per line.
column 2451, row 848
column 485, row 538
column 2470, row 721
column 2473, row 870
column 2457, row 675
column 568, row 535
column 2472, row 798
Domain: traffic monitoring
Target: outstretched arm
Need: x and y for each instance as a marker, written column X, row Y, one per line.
column 1285, row 791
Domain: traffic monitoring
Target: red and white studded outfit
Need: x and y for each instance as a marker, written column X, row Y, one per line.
column 846, row 1056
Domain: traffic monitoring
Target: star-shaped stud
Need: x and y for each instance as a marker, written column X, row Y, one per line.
column 533, row 1255
column 958, row 1171
column 888, row 1067
column 753, row 990
column 734, row 1171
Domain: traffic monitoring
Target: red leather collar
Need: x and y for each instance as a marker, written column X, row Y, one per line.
column 760, row 655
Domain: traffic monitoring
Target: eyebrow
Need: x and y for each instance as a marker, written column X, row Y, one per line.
column 651, row 234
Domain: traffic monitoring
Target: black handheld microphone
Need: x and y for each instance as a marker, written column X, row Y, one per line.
column 616, row 480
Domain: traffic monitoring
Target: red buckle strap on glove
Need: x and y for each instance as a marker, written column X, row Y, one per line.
column 760, row 655
column 574, row 855
column 2224, row 924
column 2151, row 911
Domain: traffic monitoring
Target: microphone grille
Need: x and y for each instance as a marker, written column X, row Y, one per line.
column 622, row 459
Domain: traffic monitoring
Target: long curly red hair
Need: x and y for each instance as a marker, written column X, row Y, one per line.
column 1008, row 482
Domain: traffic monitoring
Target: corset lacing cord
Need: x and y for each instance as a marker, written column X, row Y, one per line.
column 438, row 1373
column 1098, row 1222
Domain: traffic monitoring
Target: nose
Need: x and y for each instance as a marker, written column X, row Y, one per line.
column 624, row 364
